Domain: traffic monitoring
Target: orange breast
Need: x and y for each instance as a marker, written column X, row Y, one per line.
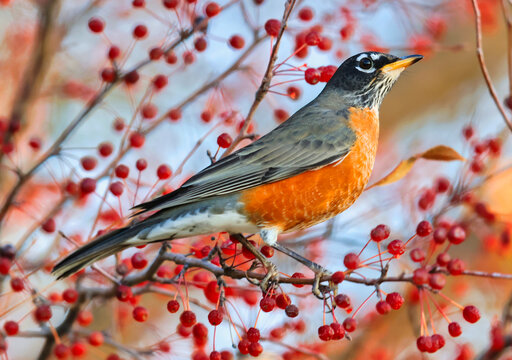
column 317, row 195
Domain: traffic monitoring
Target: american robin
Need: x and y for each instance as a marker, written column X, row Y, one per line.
column 310, row 168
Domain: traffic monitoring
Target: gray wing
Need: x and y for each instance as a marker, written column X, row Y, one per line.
column 313, row 137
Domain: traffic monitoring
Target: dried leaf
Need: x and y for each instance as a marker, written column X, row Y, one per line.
column 397, row 173
column 438, row 153
column 442, row 153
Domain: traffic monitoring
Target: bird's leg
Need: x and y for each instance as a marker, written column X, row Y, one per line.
column 272, row 272
column 318, row 290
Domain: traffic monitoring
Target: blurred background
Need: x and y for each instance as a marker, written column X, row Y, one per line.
column 53, row 66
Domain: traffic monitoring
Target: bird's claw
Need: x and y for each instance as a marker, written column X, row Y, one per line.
column 320, row 290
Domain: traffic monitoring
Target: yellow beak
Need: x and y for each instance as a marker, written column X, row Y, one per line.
column 402, row 63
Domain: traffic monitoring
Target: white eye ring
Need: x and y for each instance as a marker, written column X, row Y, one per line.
column 365, row 70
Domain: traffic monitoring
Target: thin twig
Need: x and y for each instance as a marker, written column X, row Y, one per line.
column 483, row 66
column 265, row 82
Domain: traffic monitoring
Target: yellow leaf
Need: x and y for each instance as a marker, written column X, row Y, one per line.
column 439, row 153
column 399, row 172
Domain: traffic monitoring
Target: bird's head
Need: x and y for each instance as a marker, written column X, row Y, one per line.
column 364, row 79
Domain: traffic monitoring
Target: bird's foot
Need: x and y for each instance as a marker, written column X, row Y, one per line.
column 322, row 291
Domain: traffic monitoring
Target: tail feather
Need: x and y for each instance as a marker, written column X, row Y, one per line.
column 104, row 246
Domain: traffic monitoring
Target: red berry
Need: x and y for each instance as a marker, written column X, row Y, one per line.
column 438, row 341
column 173, row 306
column 306, row 13
column 418, row 255
column 136, row 139
column 282, row 301
column 243, row 346
column 325, row 332
column 338, row 331
column 272, row 27
column 131, row 78
column 424, row 228
column 139, row 260
column 281, row 115
column 200, row 333
column 116, row 188
column 118, row 124
column 108, row 75
column 171, row 58
column 156, row 53
column 124, row 293
column 113, row 52
column 456, row 234
column 187, row 318
column 164, row 346
column 5, row 266
column 326, row 72
column 140, row 31
column 140, row 313
column 160, row 81
column 325, row 43
column 253, row 335
column 350, row 324
column 34, row 143
column 298, row 275
column 291, row 311
column 396, row 247
column 442, row 185
column 267, row 304
column 149, row 111
column 215, row 355
column 424, row 343
column 347, row 31
column 380, row 232
column 78, row 349
column 206, row 116
column 342, row 300
column 351, row 261
column 96, row 338
column 312, row 76
column 237, row 42
column 420, row 276
column 427, row 199
column 477, row 165
column 293, row 92
column 215, row 317
column 171, row 4
column 105, row 149
column 122, row 171
column 383, row 307
column 437, row 281
column 454, row 329
column 456, row 266
column 8, row 251
column 494, row 146
column 43, row 313
column 200, row 44
column 84, row 318
column 395, row 300
column 443, row 259
column 49, row 226
column 138, row 3
column 440, row 235
column 212, row 9
column 255, row 349
column 141, row 164
column 96, row 25
column 61, row 351
column 312, row 38
column 188, row 57
column 88, row 163
column 163, row 172
column 11, row 328
column 70, row 296
column 224, row 140
column 338, row 277
column 471, row 314
column 17, row 284
column 175, row 114
column 267, row 251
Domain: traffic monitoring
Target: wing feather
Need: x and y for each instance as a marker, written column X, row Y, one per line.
column 300, row 144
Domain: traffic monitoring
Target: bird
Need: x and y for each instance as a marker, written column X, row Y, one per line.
column 310, row 168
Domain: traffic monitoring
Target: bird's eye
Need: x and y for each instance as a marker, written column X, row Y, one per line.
column 365, row 63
